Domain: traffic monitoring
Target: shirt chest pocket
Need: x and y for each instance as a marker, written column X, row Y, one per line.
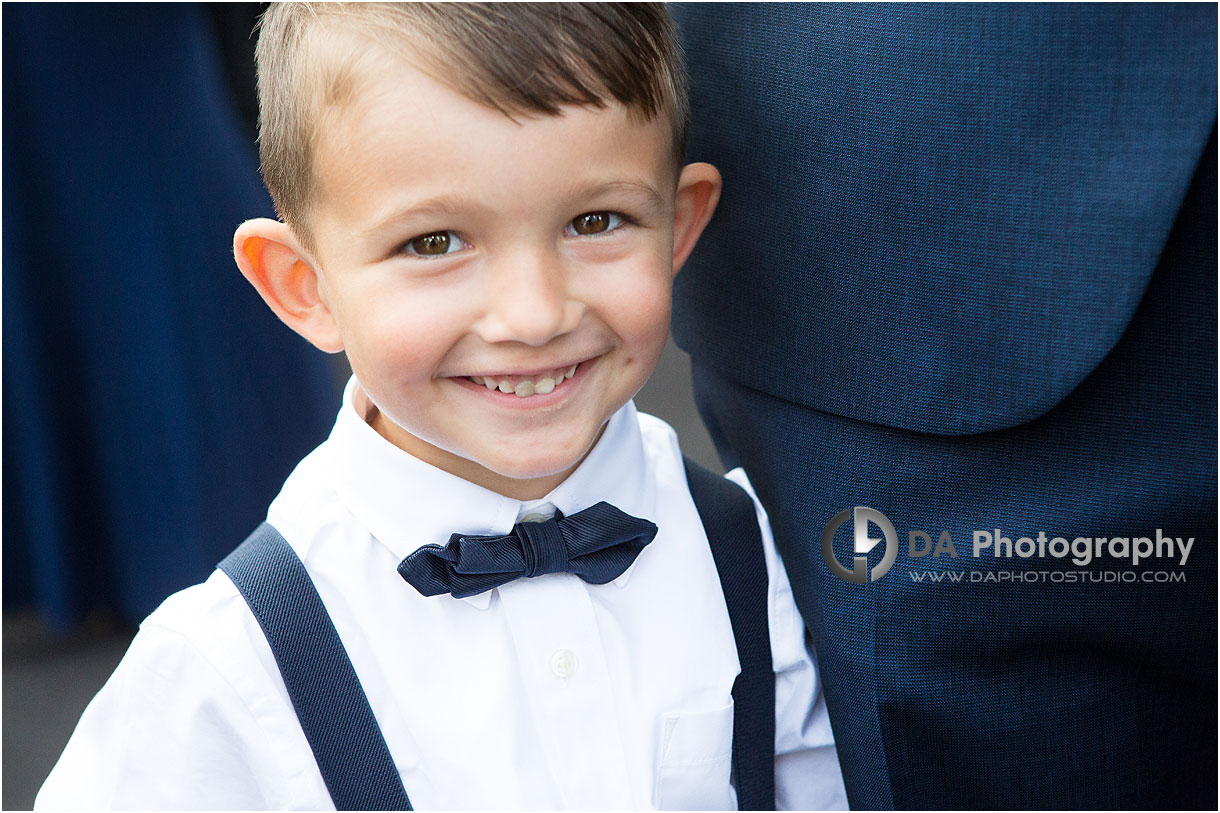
column 694, row 761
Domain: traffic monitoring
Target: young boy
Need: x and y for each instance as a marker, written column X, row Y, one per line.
column 484, row 207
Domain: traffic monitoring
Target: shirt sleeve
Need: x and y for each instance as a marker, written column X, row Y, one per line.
column 807, row 774
column 165, row 732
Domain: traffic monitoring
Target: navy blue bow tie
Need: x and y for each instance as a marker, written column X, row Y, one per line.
column 597, row 544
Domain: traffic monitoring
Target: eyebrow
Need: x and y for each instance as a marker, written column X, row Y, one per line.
column 632, row 187
column 443, row 205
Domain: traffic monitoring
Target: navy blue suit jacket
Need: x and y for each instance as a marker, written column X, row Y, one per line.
column 964, row 273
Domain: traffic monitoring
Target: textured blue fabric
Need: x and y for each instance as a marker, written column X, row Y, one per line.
column 964, row 273
column 334, row 712
column 936, row 217
column 731, row 525
column 152, row 404
column 596, row 544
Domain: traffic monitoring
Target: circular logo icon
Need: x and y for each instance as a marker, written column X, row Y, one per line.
column 863, row 544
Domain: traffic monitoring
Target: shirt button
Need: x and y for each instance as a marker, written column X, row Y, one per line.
column 563, row 663
column 534, row 518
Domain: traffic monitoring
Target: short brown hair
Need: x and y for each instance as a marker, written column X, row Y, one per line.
column 520, row 58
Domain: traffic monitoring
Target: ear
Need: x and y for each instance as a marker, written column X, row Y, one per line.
column 698, row 194
column 271, row 258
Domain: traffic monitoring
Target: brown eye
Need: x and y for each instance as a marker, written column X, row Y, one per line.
column 596, row 222
column 435, row 244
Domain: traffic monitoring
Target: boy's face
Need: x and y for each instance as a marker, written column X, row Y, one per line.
column 457, row 248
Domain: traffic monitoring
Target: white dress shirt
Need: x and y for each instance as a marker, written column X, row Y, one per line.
column 543, row 693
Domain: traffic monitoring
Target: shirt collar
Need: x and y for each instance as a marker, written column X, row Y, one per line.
column 406, row 503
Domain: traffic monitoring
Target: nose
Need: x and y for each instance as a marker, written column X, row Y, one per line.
column 528, row 300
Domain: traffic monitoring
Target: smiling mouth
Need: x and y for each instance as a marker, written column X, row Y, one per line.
column 524, row 386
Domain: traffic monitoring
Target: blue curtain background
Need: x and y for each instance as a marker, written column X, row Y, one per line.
column 152, row 404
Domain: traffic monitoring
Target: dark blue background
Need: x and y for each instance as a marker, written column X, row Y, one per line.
column 152, row 404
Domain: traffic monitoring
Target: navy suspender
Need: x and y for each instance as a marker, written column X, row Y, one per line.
column 334, row 711
column 332, row 707
column 728, row 517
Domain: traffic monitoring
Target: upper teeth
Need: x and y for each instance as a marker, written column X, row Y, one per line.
column 525, row 387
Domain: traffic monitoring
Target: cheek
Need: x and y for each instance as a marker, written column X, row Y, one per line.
column 394, row 340
column 638, row 310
